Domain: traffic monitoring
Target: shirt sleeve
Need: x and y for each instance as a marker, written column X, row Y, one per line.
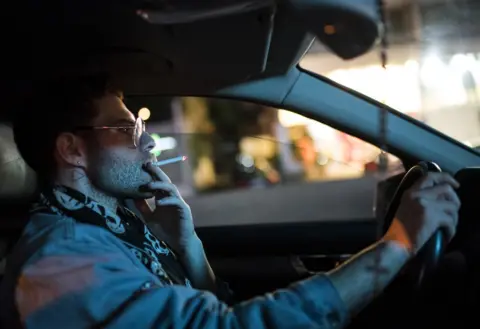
column 94, row 283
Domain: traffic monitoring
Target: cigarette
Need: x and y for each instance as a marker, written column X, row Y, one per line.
column 169, row 161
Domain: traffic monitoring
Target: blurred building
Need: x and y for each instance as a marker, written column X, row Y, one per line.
column 433, row 69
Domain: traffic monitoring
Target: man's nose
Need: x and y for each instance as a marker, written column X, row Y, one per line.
column 147, row 143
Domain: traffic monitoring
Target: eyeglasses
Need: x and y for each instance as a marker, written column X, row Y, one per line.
column 135, row 130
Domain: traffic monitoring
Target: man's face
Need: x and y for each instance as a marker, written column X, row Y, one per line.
column 115, row 166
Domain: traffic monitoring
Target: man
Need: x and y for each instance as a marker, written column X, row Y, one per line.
column 85, row 260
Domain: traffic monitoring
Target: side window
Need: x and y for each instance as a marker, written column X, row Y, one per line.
column 237, row 145
column 243, row 158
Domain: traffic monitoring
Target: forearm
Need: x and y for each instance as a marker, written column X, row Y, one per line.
column 361, row 278
column 194, row 260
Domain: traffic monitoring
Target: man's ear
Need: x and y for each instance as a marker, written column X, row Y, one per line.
column 71, row 149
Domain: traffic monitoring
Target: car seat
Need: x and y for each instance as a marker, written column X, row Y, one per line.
column 17, row 186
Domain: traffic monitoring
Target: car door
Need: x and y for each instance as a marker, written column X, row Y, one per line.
column 275, row 196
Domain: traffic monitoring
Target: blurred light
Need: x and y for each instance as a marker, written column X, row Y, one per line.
column 444, row 82
column 163, row 144
column 322, row 160
column 434, row 72
column 397, row 86
column 246, row 160
column 329, row 29
column 412, row 64
column 144, row 113
column 462, row 63
column 290, row 119
column 143, row 14
column 258, row 146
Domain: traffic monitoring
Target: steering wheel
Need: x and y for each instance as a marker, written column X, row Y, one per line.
column 428, row 257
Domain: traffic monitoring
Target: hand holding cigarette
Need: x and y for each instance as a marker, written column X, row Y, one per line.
column 171, row 213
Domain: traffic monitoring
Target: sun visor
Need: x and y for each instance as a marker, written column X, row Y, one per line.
column 215, row 42
column 349, row 28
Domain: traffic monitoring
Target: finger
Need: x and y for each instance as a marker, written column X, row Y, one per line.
column 157, row 173
column 435, row 178
column 439, row 204
column 449, row 223
column 450, row 209
column 438, row 192
column 452, row 196
column 446, row 215
column 171, row 201
column 165, row 187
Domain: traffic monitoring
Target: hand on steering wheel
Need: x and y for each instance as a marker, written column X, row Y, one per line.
column 430, row 204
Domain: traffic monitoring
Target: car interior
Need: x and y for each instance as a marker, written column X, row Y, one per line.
column 249, row 50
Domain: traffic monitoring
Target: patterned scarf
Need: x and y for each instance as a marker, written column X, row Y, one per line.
column 157, row 257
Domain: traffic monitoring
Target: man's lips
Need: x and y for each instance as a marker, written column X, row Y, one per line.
column 147, row 163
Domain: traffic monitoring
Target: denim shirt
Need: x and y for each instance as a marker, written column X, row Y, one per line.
column 64, row 274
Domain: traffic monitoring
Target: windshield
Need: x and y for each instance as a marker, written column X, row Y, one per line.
column 433, row 68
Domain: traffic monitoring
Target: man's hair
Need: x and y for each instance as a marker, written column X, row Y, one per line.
column 53, row 107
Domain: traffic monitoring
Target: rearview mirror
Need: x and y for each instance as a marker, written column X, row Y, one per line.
column 349, row 28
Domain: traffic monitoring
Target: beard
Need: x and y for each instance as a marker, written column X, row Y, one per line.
column 119, row 173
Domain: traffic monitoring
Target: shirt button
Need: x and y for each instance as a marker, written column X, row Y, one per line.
column 146, row 285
